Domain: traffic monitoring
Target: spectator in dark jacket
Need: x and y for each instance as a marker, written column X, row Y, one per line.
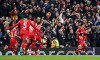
column 48, row 33
column 93, row 38
column 0, row 38
column 71, row 38
column 61, row 38
column 4, row 10
column 0, row 35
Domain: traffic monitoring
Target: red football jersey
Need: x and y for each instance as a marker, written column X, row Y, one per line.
column 82, row 38
column 80, row 30
column 24, row 24
column 40, row 29
column 31, row 29
column 13, row 32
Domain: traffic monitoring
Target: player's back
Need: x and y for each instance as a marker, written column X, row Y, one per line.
column 24, row 24
column 31, row 29
column 13, row 32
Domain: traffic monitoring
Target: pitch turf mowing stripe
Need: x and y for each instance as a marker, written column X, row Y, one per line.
column 52, row 57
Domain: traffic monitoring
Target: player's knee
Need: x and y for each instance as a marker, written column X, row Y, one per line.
column 80, row 47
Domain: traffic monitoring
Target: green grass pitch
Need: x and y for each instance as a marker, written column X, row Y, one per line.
column 52, row 57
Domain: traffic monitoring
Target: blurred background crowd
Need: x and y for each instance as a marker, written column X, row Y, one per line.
column 61, row 19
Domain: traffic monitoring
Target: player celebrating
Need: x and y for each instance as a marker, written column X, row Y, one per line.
column 13, row 40
column 81, row 29
column 32, row 35
column 82, row 44
column 38, row 39
column 24, row 29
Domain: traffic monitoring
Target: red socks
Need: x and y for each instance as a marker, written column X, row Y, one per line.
column 30, row 47
column 10, row 47
column 22, row 45
column 77, row 50
column 15, row 49
column 83, row 49
column 25, row 45
column 41, row 46
column 34, row 47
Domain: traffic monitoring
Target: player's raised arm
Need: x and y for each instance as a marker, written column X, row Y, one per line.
column 35, row 27
column 15, row 25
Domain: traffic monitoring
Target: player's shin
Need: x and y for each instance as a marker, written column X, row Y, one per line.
column 29, row 49
column 40, row 47
column 22, row 48
column 25, row 44
column 83, row 50
column 10, row 47
column 34, row 48
column 15, row 49
column 77, row 50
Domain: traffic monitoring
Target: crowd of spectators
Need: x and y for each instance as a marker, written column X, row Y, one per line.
column 61, row 19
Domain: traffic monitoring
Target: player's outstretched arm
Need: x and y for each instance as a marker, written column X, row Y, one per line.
column 35, row 27
column 14, row 25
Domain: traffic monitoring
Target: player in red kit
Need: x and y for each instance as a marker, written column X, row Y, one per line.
column 38, row 37
column 80, row 29
column 32, row 35
column 82, row 45
column 13, row 40
column 24, row 30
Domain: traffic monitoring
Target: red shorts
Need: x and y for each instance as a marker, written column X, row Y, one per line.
column 24, row 34
column 82, row 43
column 13, row 42
column 32, row 35
column 38, row 38
column 79, row 42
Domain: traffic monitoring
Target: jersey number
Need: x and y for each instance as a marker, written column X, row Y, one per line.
column 24, row 26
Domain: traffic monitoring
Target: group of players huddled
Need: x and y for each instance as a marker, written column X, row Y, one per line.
column 28, row 30
column 32, row 30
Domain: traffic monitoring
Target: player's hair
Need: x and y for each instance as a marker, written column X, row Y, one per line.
column 82, row 23
column 25, row 16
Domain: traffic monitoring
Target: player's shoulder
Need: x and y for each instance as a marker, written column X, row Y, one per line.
column 14, row 29
column 29, row 20
column 22, row 19
column 79, row 28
